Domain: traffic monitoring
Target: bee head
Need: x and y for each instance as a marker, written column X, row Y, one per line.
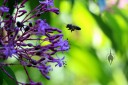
column 69, row 26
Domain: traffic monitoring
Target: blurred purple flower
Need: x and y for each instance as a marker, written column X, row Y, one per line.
column 33, row 83
column 55, row 10
column 48, row 3
column 4, row 9
column 107, row 6
column 62, row 44
column 16, row 33
column 102, row 5
column 41, row 26
column 9, row 50
column 59, row 61
column 122, row 3
column 45, row 70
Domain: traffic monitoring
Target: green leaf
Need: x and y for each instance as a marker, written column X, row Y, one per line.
column 1, row 77
column 57, row 3
column 8, row 80
column 72, row 3
column 104, row 27
column 1, row 3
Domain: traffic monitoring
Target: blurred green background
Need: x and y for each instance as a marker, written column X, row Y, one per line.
column 87, row 59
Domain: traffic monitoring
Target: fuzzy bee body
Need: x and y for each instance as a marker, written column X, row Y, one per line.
column 72, row 27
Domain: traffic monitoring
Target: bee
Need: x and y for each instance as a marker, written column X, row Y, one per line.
column 72, row 27
column 110, row 58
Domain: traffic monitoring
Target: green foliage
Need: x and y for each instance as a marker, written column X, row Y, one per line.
column 4, row 76
column 1, row 77
column 90, row 47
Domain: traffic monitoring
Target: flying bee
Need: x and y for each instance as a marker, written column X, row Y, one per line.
column 72, row 27
column 110, row 58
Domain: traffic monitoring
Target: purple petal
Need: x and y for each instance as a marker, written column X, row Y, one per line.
column 4, row 9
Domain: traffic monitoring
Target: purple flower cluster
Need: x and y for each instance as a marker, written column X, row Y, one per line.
column 17, row 37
